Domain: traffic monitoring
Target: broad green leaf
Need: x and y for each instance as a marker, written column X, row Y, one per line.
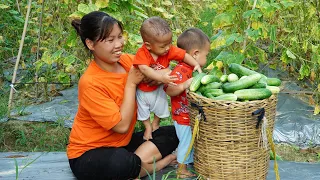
column 231, row 39
column 69, row 60
column 102, row 3
column 290, row 54
column 63, row 77
column 304, row 71
column 167, row 15
column 287, row 3
column 228, row 57
column 72, row 39
column 216, row 35
column 56, row 55
column 254, row 34
column 2, row 6
column 217, row 43
column 284, row 57
column 239, row 39
column 167, row 3
column 252, row 14
column 158, row 9
column 87, row 8
column 256, row 25
column 140, row 14
column 222, row 20
column 46, row 58
column 251, row 64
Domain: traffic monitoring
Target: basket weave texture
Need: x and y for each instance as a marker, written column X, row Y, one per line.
column 229, row 146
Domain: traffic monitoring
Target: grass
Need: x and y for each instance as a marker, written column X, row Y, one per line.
column 3, row 104
column 33, row 136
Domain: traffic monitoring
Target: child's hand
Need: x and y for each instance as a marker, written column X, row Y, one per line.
column 197, row 68
column 167, row 79
column 135, row 76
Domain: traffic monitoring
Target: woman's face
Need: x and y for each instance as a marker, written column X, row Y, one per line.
column 110, row 49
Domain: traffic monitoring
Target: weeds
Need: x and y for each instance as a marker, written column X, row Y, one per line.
column 33, row 136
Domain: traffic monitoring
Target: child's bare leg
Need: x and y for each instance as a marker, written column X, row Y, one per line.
column 148, row 129
column 155, row 123
column 182, row 171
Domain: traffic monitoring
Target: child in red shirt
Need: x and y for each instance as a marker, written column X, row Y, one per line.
column 197, row 44
column 154, row 56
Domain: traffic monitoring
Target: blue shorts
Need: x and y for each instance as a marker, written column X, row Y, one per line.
column 184, row 134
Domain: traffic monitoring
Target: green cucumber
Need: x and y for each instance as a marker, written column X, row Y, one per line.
column 209, row 78
column 232, row 77
column 224, row 78
column 213, row 92
column 253, row 94
column 273, row 82
column 226, row 97
column 258, row 85
column 274, row 89
column 241, row 70
column 241, row 83
column 213, row 85
column 243, row 77
column 196, row 82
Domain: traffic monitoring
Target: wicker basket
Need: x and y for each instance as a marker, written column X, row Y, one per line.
column 229, row 145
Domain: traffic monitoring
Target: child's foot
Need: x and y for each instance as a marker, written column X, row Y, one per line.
column 147, row 133
column 184, row 174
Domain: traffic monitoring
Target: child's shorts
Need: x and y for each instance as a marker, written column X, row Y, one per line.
column 155, row 101
column 184, row 134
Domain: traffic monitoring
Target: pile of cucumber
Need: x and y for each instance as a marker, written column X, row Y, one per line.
column 241, row 84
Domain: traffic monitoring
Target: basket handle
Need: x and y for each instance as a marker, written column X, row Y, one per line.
column 261, row 113
column 200, row 110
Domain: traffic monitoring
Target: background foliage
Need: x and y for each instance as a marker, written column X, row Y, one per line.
column 280, row 34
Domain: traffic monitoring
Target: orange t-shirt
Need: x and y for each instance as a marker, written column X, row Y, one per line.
column 143, row 57
column 100, row 97
column 179, row 103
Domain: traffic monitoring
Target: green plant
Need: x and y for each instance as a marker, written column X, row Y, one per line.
column 26, row 164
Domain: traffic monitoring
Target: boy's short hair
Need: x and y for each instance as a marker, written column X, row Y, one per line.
column 192, row 38
column 154, row 27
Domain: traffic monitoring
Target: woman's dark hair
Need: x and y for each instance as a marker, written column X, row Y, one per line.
column 95, row 26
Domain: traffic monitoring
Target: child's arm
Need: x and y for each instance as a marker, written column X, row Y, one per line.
column 178, row 89
column 152, row 74
column 192, row 62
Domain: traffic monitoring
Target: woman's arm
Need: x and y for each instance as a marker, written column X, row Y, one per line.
column 128, row 105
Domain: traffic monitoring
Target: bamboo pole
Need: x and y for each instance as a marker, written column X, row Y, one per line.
column 18, row 57
column 38, row 48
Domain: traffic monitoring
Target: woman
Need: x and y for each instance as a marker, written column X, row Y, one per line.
column 102, row 144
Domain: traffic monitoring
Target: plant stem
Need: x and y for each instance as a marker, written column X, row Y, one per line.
column 249, row 24
column 18, row 6
column 19, row 56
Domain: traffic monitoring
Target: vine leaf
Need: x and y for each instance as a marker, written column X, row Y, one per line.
column 290, row 54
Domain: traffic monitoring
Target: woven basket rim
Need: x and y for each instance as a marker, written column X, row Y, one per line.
column 225, row 101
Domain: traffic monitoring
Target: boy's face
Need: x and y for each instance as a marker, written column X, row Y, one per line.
column 160, row 45
column 201, row 54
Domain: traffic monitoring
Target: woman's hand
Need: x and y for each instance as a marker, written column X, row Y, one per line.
column 135, row 76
